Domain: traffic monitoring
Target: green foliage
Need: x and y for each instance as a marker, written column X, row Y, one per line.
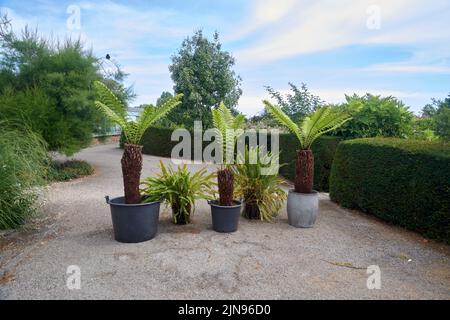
column 46, row 85
column 226, row 125
column 323, row 120
column 179, row 189
column 324, row 149
column 202, row 71
column 297, row 104
column 406, row 182
column 116, row 112
column 375, row 116
column 23, row 167
column 68, row 170
column 423, row 129
column 258, row 188
column 442, row 119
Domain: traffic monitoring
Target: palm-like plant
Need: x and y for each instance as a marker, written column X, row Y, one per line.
column 133, row 131
column 261, row 192
column 180, row 189
column 226, row 125
column 323, row 120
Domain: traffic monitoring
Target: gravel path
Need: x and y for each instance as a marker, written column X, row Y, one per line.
column 260, row 261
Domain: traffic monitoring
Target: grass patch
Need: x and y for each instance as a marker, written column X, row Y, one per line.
column 69, row 170
column 23, row 167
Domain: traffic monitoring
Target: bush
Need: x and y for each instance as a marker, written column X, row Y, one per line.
column 406, row 182
column 157, row 142
column 375, row 116
column 23, row 166
column 68, row 170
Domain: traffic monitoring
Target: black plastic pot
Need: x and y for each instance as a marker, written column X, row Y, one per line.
column 225, row 219
column 134, row 223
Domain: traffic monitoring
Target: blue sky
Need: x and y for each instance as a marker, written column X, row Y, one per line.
column 387, row 47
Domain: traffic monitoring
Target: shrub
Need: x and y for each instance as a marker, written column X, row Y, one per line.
column 259, row 186
column 23, row 166
column 406, row 182
column 375, row 116
column 68, row 170
column 180, row 189
column 157, row 142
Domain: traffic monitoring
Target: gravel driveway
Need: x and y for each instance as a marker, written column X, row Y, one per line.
column 260, row 261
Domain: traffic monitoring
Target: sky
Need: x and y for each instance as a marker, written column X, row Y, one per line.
column 337, row 47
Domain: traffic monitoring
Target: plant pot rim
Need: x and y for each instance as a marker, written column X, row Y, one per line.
column 214, row 203
column 305, row 194
column 120, row 202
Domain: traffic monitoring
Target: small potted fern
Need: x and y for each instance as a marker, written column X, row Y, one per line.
column 133, row 220
column 303, row 201
column 259, row 185
column 179, row 189
column 226, row 211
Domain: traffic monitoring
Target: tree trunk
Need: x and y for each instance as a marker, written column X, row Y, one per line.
column 131, row 171
column 304, row 171
column 225, row 179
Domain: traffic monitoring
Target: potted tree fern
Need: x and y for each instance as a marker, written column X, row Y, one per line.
column 303, row 201
column 133, row 220
column 226, row 211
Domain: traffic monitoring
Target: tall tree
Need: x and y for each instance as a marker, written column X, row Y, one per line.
column 204, row 73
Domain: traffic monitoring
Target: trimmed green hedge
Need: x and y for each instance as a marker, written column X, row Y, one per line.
column 406, row 182
column 157, row 142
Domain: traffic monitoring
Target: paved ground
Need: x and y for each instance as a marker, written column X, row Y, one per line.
column 260, row 261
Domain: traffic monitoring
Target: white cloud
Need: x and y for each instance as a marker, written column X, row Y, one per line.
column 313, row 26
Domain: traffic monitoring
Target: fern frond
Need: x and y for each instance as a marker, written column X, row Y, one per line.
column 107, row 97
column 320, row 122
column 226, row 125
column 283, row 119
column 151, row 114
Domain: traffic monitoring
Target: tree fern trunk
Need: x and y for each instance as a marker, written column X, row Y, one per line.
column 131, row 171
column 225, row 179
column 304, row 171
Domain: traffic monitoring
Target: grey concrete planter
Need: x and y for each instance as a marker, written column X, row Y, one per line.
column 302, row 209
column 134, row 223
column 225, row 219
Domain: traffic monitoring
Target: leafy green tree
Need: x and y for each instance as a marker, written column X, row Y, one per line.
column 203, row 72
column 298, row 104
column 374, row 116
column 435, row 119
column 48, row 86
column 442, row 119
